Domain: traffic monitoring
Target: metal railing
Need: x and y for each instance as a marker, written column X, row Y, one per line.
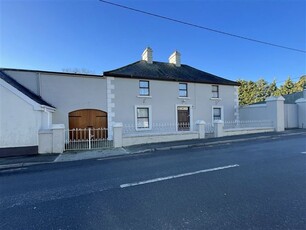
column 155, row 129
column 248, row 124
column 87, row 138
column 209, row 128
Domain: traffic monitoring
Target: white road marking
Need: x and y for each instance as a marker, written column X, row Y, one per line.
column 177, row 176
column 303, row 152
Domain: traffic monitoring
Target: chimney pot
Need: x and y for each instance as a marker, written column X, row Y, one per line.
column 175, row 58
column 147, row 55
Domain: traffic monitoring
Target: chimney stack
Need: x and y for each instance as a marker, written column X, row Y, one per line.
column 175, row 58
column 147, row 55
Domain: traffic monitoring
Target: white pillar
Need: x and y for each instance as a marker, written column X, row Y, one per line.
column 45, row 141
column 201, row 129
column 58, row 131
column 276, row 112
column 218, row 125
column 51, row 140
column 117, row 134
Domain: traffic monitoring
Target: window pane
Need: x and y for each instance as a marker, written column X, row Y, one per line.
column 183, row 86
column 215, row 94
column 182, row 93
column 144, row 88
column 144, row 84
column 217, row 117
column 183, row 90
column 217, row 113
column 143, row 123
column 144, row 92
column 215, row 91
column 143, row 112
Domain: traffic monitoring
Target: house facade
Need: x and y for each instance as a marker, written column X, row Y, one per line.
column 146, row 93
column 141, row 95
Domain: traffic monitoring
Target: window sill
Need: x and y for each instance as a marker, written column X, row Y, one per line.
column 143, row 129
column 185, row 98
column 144, row 96
column 215, row 98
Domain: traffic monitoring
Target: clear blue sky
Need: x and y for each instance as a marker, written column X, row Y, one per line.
column 58, row 34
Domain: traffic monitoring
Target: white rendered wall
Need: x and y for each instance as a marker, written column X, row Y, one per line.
column 253, row 112
column 128, row 141
column 233, row 132
column 66, row 93
column 301, row 112
column 164, row 97
column 291, row 116
column 19, row 122
column 73, row 93
column 29, row 80
column 273, row 110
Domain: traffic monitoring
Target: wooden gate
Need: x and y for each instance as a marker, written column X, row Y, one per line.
column 87, row 130
column 89, row 119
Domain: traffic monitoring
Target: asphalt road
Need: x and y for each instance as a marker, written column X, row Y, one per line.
column 247, row 185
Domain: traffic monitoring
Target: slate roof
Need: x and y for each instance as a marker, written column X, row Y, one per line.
column 167, row 72
column 23, row 89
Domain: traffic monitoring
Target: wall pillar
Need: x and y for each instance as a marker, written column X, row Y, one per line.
column 117, row 134
column 58, row 145
column 45, row 141
column 219, row 125
column 110, row 96
column 51, row 140
column 201, row 129
column 276, row 112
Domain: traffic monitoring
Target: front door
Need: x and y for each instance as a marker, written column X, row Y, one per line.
column 183, row 118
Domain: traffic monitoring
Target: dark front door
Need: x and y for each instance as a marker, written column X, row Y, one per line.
column 183, row 118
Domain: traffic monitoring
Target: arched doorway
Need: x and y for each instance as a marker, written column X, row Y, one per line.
column 93, row 119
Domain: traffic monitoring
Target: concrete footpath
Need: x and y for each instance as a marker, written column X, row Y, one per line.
column 17, row 162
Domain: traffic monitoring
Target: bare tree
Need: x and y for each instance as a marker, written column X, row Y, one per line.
column 78, row 70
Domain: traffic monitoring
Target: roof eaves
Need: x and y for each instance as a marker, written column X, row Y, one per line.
column 231, row 83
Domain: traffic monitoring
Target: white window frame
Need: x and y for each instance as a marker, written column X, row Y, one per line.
column 150, row 117
column 190, row 115
column 212, row 112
